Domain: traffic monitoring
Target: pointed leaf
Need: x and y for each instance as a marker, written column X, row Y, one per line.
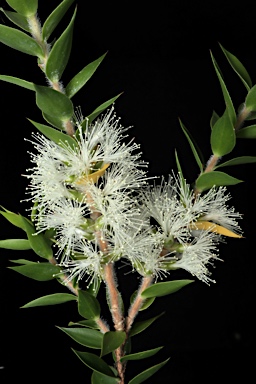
column 90, row 338
column 38, row 271
column 58, row 137
column 165, row 288
column 140, row 326
column 17, row 81
column 98, row 111
column 59, row 54
column 53, row 120
column 223, row 137
column 13, row 218
column 215, row 178
column 20, row 41
column 88, row 305
column 82, row 77
column 229, row 105
column 26, row 8
column 250, row 100
column 143, row 376
column 247, row 133
column 85, row 323
column 111, row 341
column 238, row 160
column 238, row 68
column 179, row 166
column 55, row 17
column 212, row 227
column 55, row 298
column 22, row 261
column 15, row 244
column 146, row 302
column 19, row 20
column 141, row 355
column 215, row 117
column 38, row 242
column 53, row 103
column 99, row 378
column 192, row 146
column 94, row 362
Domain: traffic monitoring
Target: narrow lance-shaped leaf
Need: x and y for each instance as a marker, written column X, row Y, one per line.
column 17, row 81
column 53, row 103
column 140, row 326
column 19, row 20
column 215, row 178
column 13, row 218
column 227, row 98
column 55, row 17
column 38, row 271
column 192, row 146
column 15, row 244
column 141, row 355
column 25, row 7
column 94, row 362
column 100, row 378
column 223, row 137
column 247, row 133
column 111, row 341
column 250, row 100
column 53, row 120
column 55, row 298
column 238, row 161
column 20, row 41
column 143, row 376
column 88, row 305
column 90, row 338
column 165, row 288
column 60, row 52
column 81, row 78
column 238, row 68
column 212, row 227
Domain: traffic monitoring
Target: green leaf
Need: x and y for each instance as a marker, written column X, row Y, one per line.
column 238, row 160
column 53, row 103
column 215, row 117
column 53, row 120
column 99, row 378
column 141, row 355
column 98, row 111
column 238, row 68
column 22, row 261
column 227, row 98
column 111, row 341
column 38, row 271
column 15, row 244
column 143, row 376
column 94, row 362
column 19, row 20
column 38, row 242
column 90, row 338
column 13, row 218
column 192, row 146
column 250, row 100
column 140, row 326
column 146, row 302
column 215, row 178
column 165, row 288
column 17, row 81
column 179, row 166
column 223, row 136
column 55, row 17
column 55, row 298
column 26, row 8
column 88, row 305
column 81, row 78
column 58, row 137
column 59, row 54
column 85, row 323
column 20, row 41
column 247, row 133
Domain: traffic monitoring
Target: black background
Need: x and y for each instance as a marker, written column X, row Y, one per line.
column 159, row 56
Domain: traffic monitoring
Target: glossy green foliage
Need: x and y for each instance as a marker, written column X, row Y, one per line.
column 17, row 19
column 247, row 133
column 58, row 137
column 214, row 118
column 13, row 218
column 165, row 288
column 250, row 100
column 238, row 68
column 99, row 378
column 59, row 54
column 90, row 338
column 223, row 137
column 55, row 17
column 95, row 363
column 196, row 153
column 15, row 244
column 53, row 103
column 238, row 161
column 215, row 178
column 17, row 81
column 141, row 355
column 143, row 376
column 53, row 120
column 111, row 341
column 140, row 326
column 85, row 323
column 26, row 8
column 88, row 305
column 81, row 78
column 38, row 271
column 20, row 41
column 55, row 298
